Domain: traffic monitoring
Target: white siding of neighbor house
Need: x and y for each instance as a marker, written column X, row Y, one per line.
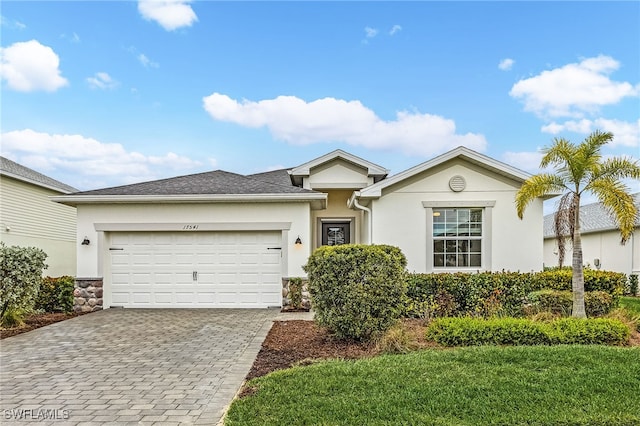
column 604, row 245
column 337, row 174
column 92, row 258
column 36, row 221
column 400, row 219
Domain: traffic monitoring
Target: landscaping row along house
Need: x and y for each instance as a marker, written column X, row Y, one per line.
column 220, row 239
column 601, row 246
column 28, row 218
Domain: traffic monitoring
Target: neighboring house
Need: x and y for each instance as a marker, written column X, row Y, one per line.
column 601, row 248
column 28, row 217
column 222, row 239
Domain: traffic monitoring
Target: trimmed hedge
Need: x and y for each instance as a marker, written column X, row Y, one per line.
column 597, row 303
column 357, row 290
column 495, row 293
column 469, row 331
column 56, row 295
column 20, row 278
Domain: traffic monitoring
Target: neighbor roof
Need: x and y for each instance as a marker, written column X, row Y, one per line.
column 17, row 171
column 593, row 218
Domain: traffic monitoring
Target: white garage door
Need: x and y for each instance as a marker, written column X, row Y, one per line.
column 195, row 269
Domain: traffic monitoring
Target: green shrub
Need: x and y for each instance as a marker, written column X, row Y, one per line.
column 489, row 294
column 467, row 331
column 56, row 295
column 295, row 292
column 560, row 302
column 633, row 285
column 356, row 290
column 20, row 277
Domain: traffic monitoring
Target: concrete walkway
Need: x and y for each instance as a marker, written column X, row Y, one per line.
column 131, row 366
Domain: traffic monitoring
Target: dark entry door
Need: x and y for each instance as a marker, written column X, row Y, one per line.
column 335, row 233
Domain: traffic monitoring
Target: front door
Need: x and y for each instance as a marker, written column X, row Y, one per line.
column 336, row 233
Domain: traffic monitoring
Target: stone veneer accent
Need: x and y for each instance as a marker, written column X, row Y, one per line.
column 87, row 295
column 306, row 296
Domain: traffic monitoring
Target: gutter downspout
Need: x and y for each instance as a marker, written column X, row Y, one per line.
column 353, row 202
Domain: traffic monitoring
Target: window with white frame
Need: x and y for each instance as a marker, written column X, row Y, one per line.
column 457, row 237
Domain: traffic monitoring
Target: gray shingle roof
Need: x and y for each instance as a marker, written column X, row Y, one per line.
column 280, row 177
column 18, row 171
column 593, row 217
column 216, row 182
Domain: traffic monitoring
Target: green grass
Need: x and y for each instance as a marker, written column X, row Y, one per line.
column 632, row 304
column 525, row 385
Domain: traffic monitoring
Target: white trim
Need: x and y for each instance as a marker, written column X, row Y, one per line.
column 459, row 204
column 358, row 185
column 190, row 198
column 372, row 169
column 189, row 226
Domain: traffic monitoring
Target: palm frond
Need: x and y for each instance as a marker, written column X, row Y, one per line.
column 537, row 186
column 617, row 168
column 557, row 154
column 616, row 199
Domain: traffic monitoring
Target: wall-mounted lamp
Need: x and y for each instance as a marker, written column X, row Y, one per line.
column 298, row 241
column 85, row 242
column 596, row 263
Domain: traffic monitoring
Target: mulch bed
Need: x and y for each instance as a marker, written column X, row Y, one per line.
column 36, row 321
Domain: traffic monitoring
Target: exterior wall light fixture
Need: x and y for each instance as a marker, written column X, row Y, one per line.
column 298, row 241
column 85, row 242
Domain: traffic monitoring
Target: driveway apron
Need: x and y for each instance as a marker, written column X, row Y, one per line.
column 131, row 366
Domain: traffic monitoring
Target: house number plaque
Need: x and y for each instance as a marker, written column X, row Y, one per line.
column 190, row 227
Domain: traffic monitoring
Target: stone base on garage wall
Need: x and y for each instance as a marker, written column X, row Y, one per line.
column 87, row 295
column 286, row 299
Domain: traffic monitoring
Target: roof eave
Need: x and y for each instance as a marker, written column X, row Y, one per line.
column 35, row 182
column 318, row 200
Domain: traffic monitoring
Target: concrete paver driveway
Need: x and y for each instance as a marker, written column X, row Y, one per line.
column 131, row 366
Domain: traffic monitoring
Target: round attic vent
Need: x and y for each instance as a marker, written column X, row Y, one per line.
column 457, row 183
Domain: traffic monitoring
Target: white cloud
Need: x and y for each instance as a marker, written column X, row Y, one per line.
column 298, row 122
column 574, row 89
column 506, row 64
column 89, row 162
column 528, row 161
column 30, row 66
column 370, row 32
column 396, row 28
column 170, row 14
column 102, row 80
column 11, row 24
column 146, row 62
column 625, row 133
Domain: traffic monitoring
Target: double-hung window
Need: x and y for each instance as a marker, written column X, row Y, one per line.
column 457, row 237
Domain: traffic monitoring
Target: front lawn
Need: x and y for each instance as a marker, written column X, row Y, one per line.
column 541, row 385
column 632, row 304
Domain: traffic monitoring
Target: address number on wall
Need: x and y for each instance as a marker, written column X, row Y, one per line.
column 189, row 227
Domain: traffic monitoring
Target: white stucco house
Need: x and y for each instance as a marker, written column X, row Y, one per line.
column 28, row 217
column 221, row 239
column 601, row 248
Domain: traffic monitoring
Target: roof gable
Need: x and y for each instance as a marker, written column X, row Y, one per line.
column 488, row 163
column 17, row 171
column 303, row 170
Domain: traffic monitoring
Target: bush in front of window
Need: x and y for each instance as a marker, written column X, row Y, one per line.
column 56, row 295
column 467, row 331
column 487, row 294
column 357, row 290
column 20, row 278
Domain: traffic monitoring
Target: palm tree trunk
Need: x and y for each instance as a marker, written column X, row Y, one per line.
column 577, row 281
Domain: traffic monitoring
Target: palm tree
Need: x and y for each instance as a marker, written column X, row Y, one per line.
column 580, row 169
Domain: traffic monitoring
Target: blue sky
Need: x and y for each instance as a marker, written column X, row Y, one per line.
column 106, row 93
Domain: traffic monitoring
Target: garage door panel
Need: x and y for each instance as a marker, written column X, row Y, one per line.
column 233, row 268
